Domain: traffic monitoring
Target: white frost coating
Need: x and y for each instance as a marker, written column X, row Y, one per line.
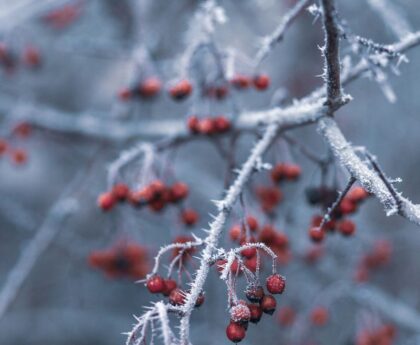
column 392, row 17
column 368, row 178
column 164, row 322
column 43, row 238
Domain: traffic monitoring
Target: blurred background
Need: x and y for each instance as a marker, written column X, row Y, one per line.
column 86, row 57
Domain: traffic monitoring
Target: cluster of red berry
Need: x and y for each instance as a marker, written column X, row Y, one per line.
column 241, row 312
column 9, row 59
column 17, row 155
column 122, row 260
column 383, row 335
column 156, row 195
column 150, row 87
column 348, row 205
column 260, row 82
column 208, row 125
column 63, row 16
column 169, row 288
column 377, row 257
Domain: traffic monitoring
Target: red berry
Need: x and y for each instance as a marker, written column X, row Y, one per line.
column 220, row 265
column 240, row 81
column 206, row 126
column 316, row 234
column 235, row 332
column 189, row 217
column 357, row 194
column 292, row 171
column 156, row 284
column 181, row 90
column 19, row 156
column 235, row 232
column 106, row 201
column 200, row 300
column 261, row 82
column 286, row 316
column 170, row 285
column 268, row 304
column 31, row 56
column 3, row 146
column 256, row 313
column 22, row 129
column 177, row 297
column 221, row 124
column 240, row 313
column 254, row 293
column 252, row 223
column 149, row 87
column 252, row 263
column 193, row 123
column 347, row 227
column 179, row 191
column 347, row 206
column 125, row 94
column 249, row 252
column 276, row 284
column 319, row 316
column 220, row 92
column 120, row 191
column 277, row 173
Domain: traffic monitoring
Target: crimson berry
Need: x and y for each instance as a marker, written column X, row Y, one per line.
column 181, row 90
column 286, row 316
column 268, row 304
column 252, row 263
column 316, row 234
column 292, row 171
column 248, row 252
column 22, row 129
column 19, row 156
column 220, row 92
column 221, row 124
column 281, row 240
column 156, row 205
column 240, row 81
column 156, row 284
column 277, row 173
column 235, row 232
column 220, row 265
column 189, row 217
column 177, row 297
column 235, row 332
column 106, row 201
column 254, row 293
column 179, row 191
column 170, row 285
column 3, row 146
column 347, row 206
column 267, row 234
column 193, row 123
column 256, row 313
column 347, row 227
column 252, row 223
column 357, row 194
column 206, row 126
column 261, row 82
column 319, row 316
column 120, row 191
column 150, row 87
column 125, row 94
column 276, row 284
column 240, row 313
column 31, row 56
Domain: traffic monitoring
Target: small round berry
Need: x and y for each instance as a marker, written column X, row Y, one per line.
column 125, row 94
column 181, row 90
column 292, row 171
column 261, row 82
column 268, row 304
column 249, row 252
column 179, row 191
column 347, row 227
column 235, row 232
column 278, row 172
column 316, row 234
column 252, row 223
column 256, row 313
column 170, row 285
column 240, row 313
column 19, row 156
column 150, row 87
column 240, row 81
column 221, row 124
column 177, row 297
column 319, row 316
column 120, row 191
column 31, row 56
column 235, row 332
column 206, row 126
column 252, row 263
column 3, row 146
column 254, row 293
column 286, row 316
column 156, row 284
column 276, row 284
column 106, row 201
column 22, row 129
column 357, row 194
column 200, row 300
column 193, row 123
column 189, row 217
column 347, row 206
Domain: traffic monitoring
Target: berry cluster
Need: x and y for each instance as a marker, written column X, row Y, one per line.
column 122, row 260
column 17, row 155
column 383, row 335
column 260, row 82
column 208, row 125
column 241, row 312
column 156, row 195
column 336, row 221
column 169, row 288
column 9, row 59
column 377, row 257
column 63, row 16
